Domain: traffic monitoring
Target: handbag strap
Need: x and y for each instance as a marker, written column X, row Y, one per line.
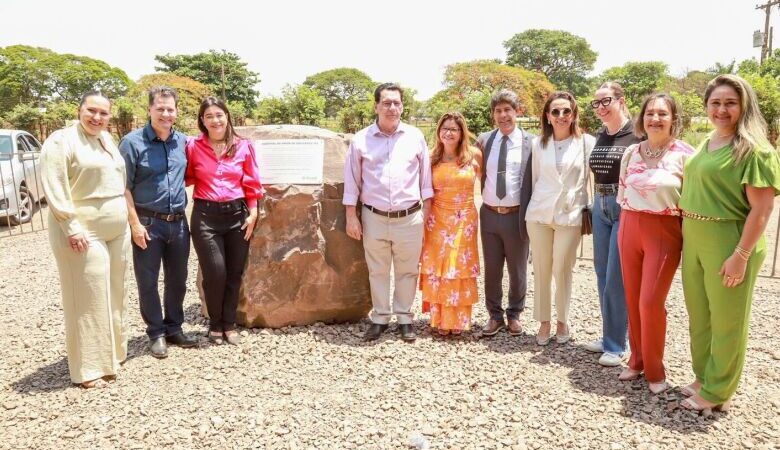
column 587, row 172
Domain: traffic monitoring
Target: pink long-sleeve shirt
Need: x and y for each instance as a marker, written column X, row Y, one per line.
column 224, row 179
column 389, row 172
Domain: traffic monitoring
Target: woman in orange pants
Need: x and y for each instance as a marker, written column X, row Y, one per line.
column 650, row 235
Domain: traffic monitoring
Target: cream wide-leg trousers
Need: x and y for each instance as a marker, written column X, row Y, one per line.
column 93, row 288
column 398, row 242
column 554, row 250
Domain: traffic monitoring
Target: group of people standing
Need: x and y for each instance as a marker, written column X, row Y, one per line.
column 104, row 199
column 655, row 202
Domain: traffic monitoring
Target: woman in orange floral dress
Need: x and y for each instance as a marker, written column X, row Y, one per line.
column 449, row 259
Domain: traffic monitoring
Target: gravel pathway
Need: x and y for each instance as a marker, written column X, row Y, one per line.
column 321, row 387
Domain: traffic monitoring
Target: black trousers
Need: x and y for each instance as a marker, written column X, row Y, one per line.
column 222, row 253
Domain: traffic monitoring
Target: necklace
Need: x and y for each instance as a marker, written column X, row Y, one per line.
column 654, row 153
column 219, row 147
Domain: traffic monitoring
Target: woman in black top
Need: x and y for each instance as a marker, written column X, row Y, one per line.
column 611, row 141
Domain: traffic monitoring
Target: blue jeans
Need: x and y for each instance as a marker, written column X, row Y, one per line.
column 169, row 244
column 606, row 259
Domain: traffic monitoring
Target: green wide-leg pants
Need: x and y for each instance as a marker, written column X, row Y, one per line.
column 718, row 316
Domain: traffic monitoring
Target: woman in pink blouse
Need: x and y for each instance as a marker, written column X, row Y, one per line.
column 650, row 234
column 223, row 168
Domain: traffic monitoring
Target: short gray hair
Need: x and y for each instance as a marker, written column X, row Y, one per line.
column 163, row 91
column 504, row 96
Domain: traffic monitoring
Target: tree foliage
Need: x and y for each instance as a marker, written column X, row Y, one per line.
column 461, row 79
column 340, row 87
column 191, row 93
column 356, row 115
column 689, row 105
column 208, row 68
column 25, row 117
column 35, row 76
column 566, row 59
column 638, row 79
column 298, row 104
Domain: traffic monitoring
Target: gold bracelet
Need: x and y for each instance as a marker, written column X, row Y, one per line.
column 742, row 250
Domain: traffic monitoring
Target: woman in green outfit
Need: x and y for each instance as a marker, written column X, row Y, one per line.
column 727, row 199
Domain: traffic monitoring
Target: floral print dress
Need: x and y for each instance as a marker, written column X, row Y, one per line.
column 449, row 259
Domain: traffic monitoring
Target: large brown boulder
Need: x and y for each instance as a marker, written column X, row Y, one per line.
column 302, row 267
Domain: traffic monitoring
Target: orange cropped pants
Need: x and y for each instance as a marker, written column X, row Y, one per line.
column 650, row 251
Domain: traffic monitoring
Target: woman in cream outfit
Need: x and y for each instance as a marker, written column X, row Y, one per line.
column 554, row 215
column 84, row 180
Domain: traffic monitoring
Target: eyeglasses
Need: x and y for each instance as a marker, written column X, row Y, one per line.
column 450, row 130
column 388, row 105
column 565, row 112
column 606, row 101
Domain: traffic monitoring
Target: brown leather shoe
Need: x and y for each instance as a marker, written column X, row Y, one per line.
column 492, row 327
column 514, row 327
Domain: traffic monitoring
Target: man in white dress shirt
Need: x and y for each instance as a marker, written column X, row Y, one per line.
column 506, row 191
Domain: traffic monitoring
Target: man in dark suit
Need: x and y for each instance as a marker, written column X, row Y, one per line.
column 506, row 191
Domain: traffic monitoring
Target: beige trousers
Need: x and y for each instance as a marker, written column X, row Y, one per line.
column 392, row 243
column 554, row 250
column 93, row 288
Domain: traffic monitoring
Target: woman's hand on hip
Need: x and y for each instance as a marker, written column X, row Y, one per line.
column 78, row 243
column 733, row 270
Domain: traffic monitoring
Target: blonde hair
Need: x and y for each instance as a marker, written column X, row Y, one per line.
column 464, row 151
column 617, row 92
column 751, row 127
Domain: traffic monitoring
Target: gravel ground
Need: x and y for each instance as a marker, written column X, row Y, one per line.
column 321, row 387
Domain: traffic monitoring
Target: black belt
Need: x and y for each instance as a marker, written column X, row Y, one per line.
column 394, row 214
column 227, row 207
column 606, row 189
column 174, row 217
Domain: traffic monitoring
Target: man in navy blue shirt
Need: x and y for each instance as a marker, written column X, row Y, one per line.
column 156, row 160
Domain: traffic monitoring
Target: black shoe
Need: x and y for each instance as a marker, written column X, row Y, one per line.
column 182, row 340
column 407, row 333
column 159, row 348
column 374, row 331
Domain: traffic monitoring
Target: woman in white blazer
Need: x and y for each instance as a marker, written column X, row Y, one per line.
column 554, row 215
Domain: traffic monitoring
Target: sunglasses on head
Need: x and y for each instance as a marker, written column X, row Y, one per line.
column 606, row 101
column 563, row 112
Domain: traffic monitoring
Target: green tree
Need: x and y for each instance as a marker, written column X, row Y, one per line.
column 638, row 79
column 566, row 59
column 461, row 79
column 767, row 90
column 273, row 111
column 238, row 113
column 36, row 76
column 223, row 72
column 124, row 115
column 721, row 68
column 690, row 105
column 340, row 87
column 58, row 114
column 298, row 104
column 693, row 81
column 306, row 105
column 191, row 93
column 356, row 115
column 26, row 117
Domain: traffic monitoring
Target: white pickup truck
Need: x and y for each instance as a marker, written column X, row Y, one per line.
column 20, row 173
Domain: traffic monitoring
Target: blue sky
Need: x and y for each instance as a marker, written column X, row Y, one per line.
column 405, row 41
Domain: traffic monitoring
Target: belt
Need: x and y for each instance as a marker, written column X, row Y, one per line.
column 695, row 216
column 606, row 189
column 174, row 217
column 227, row 207
column 394, row 214
column 502, row 209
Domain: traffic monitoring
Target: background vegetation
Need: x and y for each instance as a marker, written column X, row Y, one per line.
column 39, row 88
